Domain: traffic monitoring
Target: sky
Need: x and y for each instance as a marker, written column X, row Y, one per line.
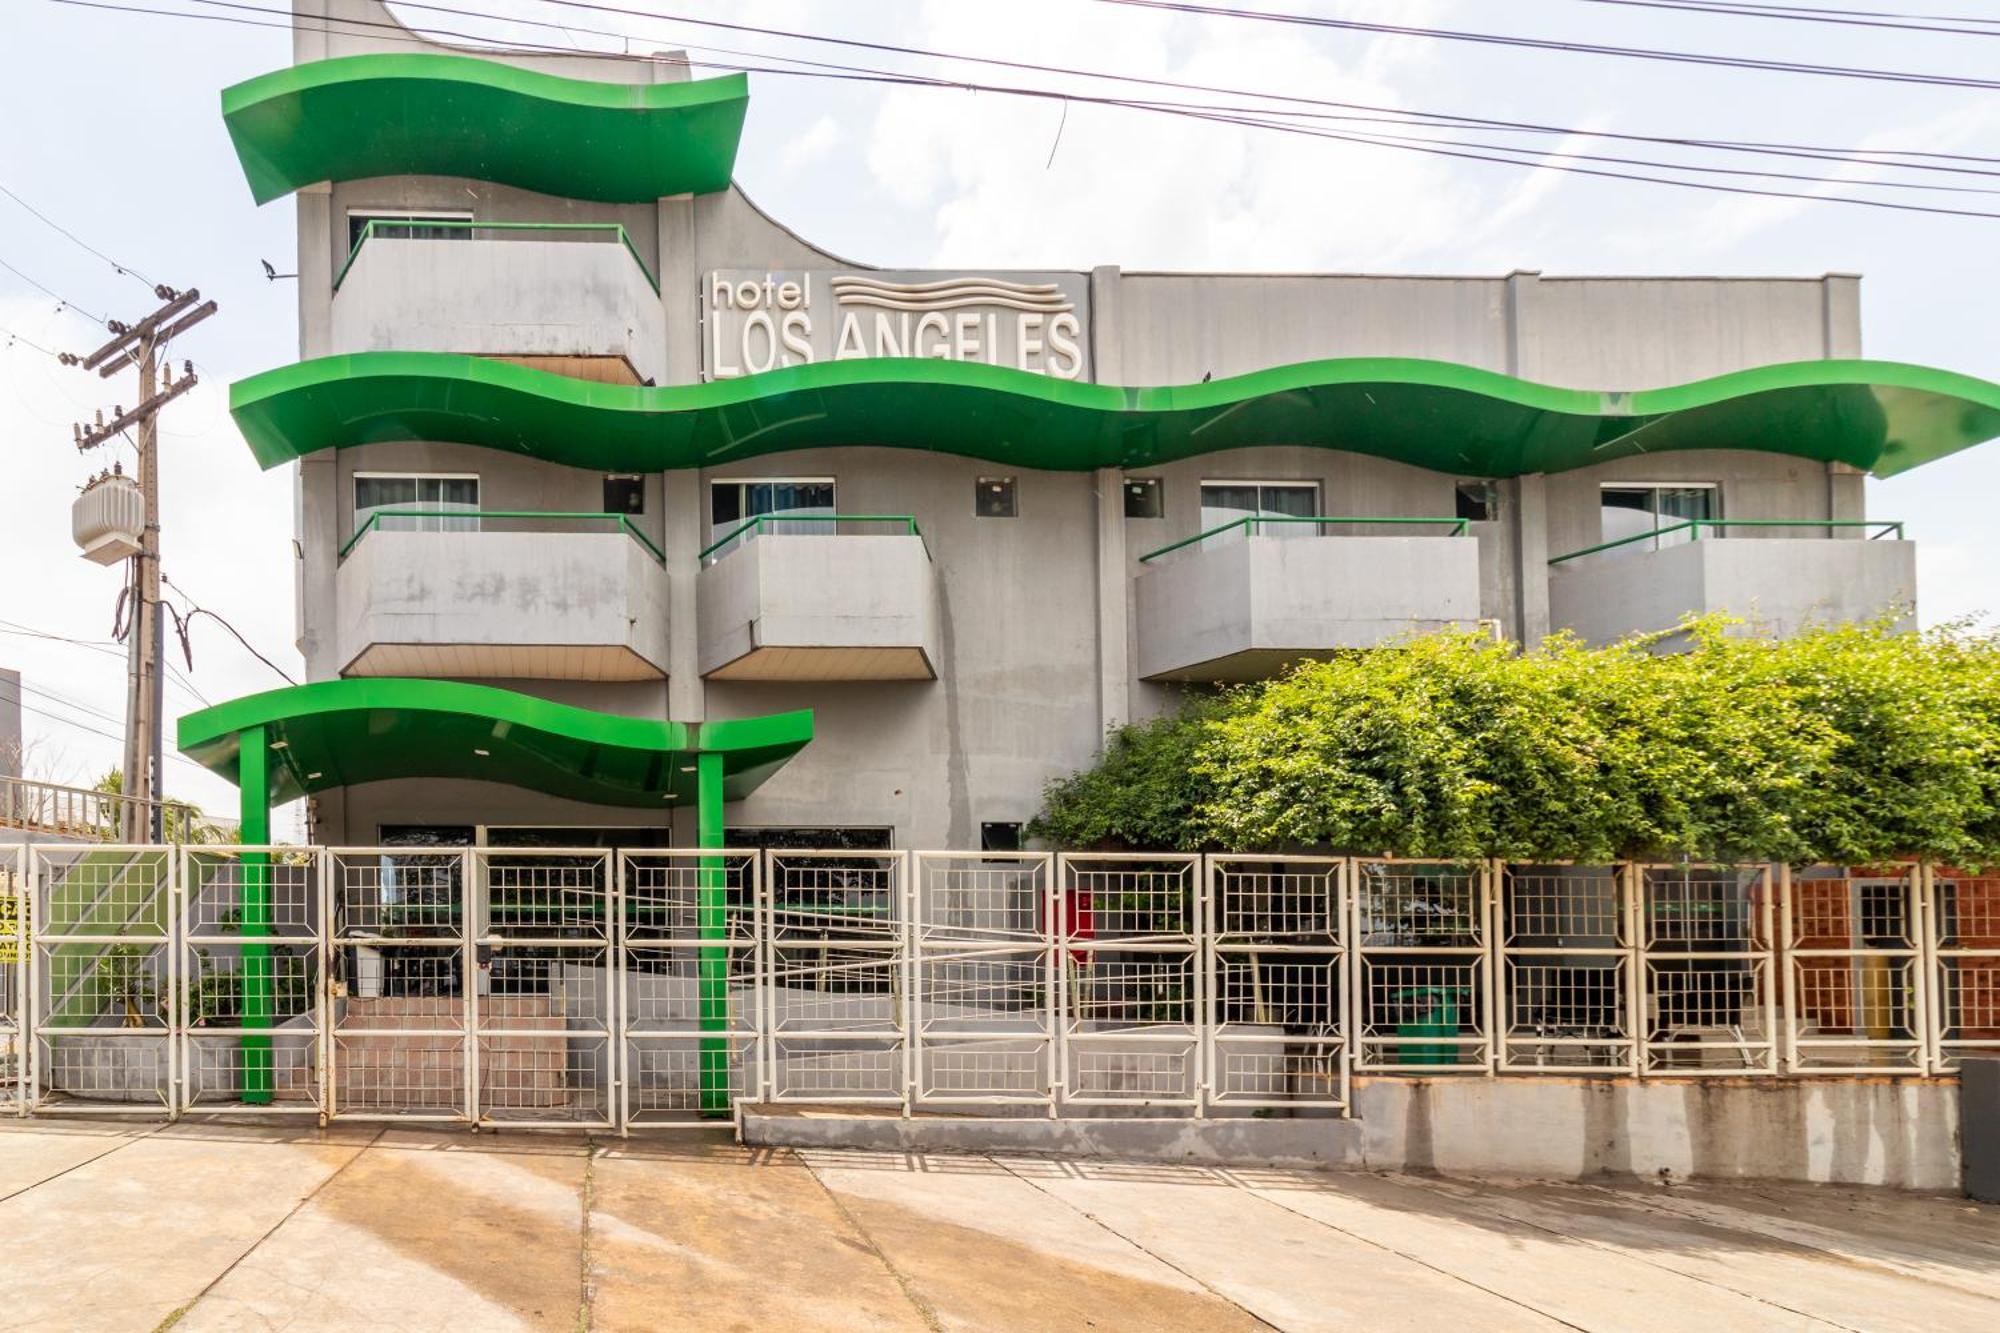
column 115, row 134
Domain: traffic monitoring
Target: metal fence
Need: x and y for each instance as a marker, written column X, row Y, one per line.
column 629, row 989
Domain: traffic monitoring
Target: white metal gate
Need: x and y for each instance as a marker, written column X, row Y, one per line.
column 983, row 997
column 690, row 1006
column 1707, row 953
column 1568, row 998
column 1423, row 999
column 1277, row 982
column 838, row 967
column 400, row 1021
column 14, row 913
column 1853, row 942
column 253, row 980
column 1965, row 940
column 104, row 979
column 1131, row 979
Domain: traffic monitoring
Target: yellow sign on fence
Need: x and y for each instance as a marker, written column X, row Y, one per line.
column 10, row 925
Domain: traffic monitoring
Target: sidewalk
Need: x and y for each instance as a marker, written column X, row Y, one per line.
column 238, row 1226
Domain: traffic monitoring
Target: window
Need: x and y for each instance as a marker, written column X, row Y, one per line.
column 1634, row 509
column 1478, row 501
column 734, row 501
column 433, row 496
column 1143, row 498
column 415, row 231
column 624, row 494
column 999, row 836
column 1224, row 502
column 994, row 498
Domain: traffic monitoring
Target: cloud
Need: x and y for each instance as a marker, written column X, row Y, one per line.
column 818, row 139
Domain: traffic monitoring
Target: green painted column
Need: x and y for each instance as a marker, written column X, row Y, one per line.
column 253, row 784
column 712, row 919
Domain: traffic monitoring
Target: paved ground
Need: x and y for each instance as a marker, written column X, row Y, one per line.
column 243, row 1227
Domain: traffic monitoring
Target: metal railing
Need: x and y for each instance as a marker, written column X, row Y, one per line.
column 659, row 987
column 608, row 230
column 1694, row 527
column 481, row 517
column 1251, row 525
column 80, row 812
column 784, row 525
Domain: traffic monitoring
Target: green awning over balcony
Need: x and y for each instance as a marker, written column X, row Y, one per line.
column 448, row 115
column 337, row 732
column 1880, row 416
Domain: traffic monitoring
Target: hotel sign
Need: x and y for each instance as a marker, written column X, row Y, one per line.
column 756, row 320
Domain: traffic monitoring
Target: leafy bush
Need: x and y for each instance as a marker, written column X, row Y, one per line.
column 1845, row 745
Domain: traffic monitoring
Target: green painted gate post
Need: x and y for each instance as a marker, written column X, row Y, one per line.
column 253, row 784
column 712, row 920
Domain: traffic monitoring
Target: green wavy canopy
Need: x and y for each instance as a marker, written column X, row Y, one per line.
column 353, row 117
column 368, row 729
column 1880, row 416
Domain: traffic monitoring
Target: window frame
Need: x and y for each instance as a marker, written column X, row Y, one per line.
column 1636, row 540
column 1312, row 485
column 1013, row 492
column 715, row 534
column 385, row 213
column 1128, row 485
column 355, row 510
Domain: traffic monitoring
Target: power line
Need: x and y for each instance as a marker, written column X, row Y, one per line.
column 1847, row 18
column 61, row 301
column 125, row 269
column 197, row 610
column 1712, row 59
column 1257, row 121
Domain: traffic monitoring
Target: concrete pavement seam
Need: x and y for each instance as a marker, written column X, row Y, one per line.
column 1402, row 1254
column 1636, row 1256
column 94, row 1157
column 252, row 1248
column 588, row 1299
column 1134, row 1242
column 908, row 1288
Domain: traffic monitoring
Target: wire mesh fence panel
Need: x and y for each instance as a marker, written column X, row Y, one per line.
column 691, row 931
column 1278, row 983
column 1965, row 943
column 983, row 897
column 863, row 1070
column 1566, row 969
column 1422, row 985
column 837, row 1018
column 398, row 963
column 1130, row 979
column 1709, row 992
column 104, row 979
column 984, row 986
column 835, row 895
column 1856, row 998
column 543, row 991
column 252, row 978
column 13, row 978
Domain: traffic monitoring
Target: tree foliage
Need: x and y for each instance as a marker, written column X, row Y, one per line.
column 1843, row 745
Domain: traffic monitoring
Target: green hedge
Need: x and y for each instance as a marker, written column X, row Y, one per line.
column 1844, row 746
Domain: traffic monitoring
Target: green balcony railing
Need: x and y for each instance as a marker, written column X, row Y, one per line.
column 1694, row 527
column 903, row 525
column 482, row 517
column 1252, row 524
column 383, row 226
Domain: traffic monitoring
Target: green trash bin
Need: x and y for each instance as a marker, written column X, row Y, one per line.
column 1429, row 1011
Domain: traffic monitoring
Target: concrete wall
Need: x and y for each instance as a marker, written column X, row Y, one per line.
column 502, row 294
column 1779, row 586
column 1898, row 1133
column 851, row 592
column 1262, row 600
column 597, row 599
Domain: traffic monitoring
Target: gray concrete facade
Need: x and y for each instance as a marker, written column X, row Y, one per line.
column 1039, row 630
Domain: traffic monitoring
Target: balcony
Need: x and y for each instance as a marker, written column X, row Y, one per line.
column 819, row 597
column 1248, row 599
column 502, row 595
column 570, row 290
column 1780, row 576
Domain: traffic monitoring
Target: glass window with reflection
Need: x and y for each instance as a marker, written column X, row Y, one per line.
column 1225, row 502
column 732, row 503
column 1654, row 512
column 415, row 503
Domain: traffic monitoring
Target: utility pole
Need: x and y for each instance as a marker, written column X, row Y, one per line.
column 140, row 345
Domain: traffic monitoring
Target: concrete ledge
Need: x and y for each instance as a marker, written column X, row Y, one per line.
column 1901, row 1133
